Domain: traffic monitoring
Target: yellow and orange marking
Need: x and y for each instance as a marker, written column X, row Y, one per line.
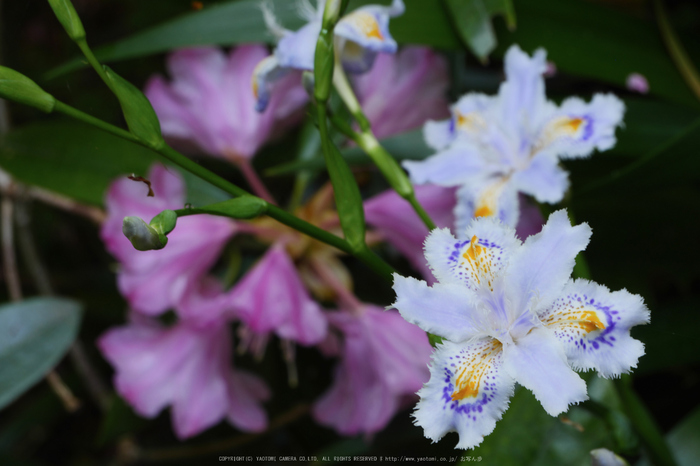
column 578, row 317
column 472, row 371
column 366, row 23
column 478, row 261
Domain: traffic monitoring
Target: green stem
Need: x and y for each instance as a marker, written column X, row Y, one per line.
column 184, row 162
column 643, row 423
column 675, row 48
column 377, row 263
column 368, row 142
column 82, row 43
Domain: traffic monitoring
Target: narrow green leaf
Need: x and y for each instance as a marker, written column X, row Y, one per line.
column 66, row 14
column 19, row 88
column 347, row 195
column 34, row 336
column 138, row 111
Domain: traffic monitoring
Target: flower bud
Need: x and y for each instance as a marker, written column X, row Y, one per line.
column 66, row 14
column 19, row 88
column 605, row 457
column 142, row 236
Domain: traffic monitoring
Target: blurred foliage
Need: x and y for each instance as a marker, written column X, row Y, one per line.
column 642, row 200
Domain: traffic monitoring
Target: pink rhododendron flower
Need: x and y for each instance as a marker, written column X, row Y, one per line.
column 403, row 91
column 272, row 298
column 155, row 281
column 399, row 224
column 383, row 359
column 209, row 101
column 185, row 367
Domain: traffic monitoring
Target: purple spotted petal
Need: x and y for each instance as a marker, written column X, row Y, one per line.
column 593, row 324
column 468, row 392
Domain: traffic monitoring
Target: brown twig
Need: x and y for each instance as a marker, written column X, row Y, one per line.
column 98, row 390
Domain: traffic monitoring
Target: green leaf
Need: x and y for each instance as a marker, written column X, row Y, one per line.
column 683, row 441
column 425, row 22
column 527, row 435
column 591, row 40
column 472, row 19
column 19, row 88
column 119, row 420
column 348, row 199
column 34, row 336
column 80, row 161
column 138, row 111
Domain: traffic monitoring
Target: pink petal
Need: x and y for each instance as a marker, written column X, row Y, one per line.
column 384, row 358
column 272, row 298
column 210, row 103
column 400, row 225
column 403, row 91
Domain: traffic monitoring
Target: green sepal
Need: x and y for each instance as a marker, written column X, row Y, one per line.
column 19, row 88
column 164, row 222
column 434, row 339
column 66, row 14
column 243, row 207
column 138, row 111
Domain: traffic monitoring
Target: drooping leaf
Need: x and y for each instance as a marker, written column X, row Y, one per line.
column 138, row 111
column 34, row 336
column 472, row 19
